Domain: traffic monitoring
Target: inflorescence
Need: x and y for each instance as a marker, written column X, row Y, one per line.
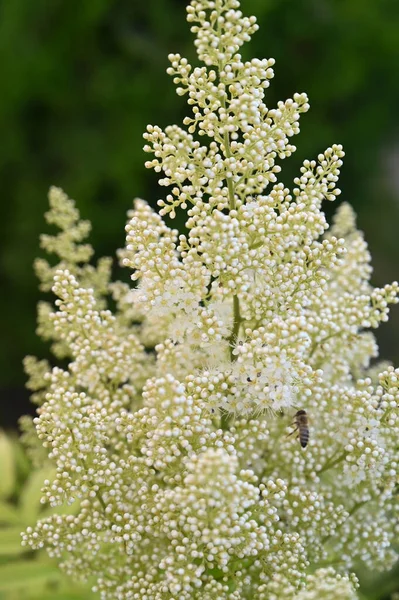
column 174, row 474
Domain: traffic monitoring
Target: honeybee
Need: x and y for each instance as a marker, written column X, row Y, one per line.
column 301, row 426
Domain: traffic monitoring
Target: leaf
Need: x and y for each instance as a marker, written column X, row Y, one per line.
column 7, row 466
column 70, row 594
column 31, row 493
column 10, row 541
column 31, row 575
column 22, row 463
column 40, row 579
column 65, row 509
column 9, row 515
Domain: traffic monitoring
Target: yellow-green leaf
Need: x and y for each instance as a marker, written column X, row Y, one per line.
column 22, row 463
column 9, row 515
column 65, row 509
column 66, row 593
column 31, row 575
column 31, row 493
column 7, row 466
column 10, row 541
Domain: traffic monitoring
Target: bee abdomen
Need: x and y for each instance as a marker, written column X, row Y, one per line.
column 304, row 437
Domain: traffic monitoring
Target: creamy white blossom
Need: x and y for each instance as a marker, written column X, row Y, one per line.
column 170, row 425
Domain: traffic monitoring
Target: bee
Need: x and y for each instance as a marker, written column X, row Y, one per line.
column 301, row 426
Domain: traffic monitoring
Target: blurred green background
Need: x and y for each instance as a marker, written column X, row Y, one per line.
column 80, row 81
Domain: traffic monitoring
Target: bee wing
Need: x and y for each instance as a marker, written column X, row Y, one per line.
column 292, row 432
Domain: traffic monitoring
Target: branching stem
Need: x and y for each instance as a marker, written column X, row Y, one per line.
column 331, row 463
column 227, row 417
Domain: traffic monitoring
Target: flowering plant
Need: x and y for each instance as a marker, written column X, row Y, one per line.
column 169, row 430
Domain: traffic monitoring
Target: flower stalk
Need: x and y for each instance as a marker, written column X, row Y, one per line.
column 176, row 420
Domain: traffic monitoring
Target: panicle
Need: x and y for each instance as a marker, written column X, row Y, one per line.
column 170, row 426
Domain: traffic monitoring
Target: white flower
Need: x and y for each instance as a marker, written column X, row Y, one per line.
column 279, row 379
column 168, row 423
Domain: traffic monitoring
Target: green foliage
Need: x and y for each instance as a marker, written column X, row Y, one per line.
column 81, row 81
column 7, row 467
column 25, row 575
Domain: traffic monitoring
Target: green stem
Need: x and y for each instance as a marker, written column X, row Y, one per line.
column 357, row 506
column 225, row 421
column 226, row 418
column 236, row 327
column 236, row 303
column 331, row 463
column 351, row 512
column 230, row 185
column 98, row 495
column 101, row 501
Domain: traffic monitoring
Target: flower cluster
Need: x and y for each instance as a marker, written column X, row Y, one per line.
column 170, row 429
